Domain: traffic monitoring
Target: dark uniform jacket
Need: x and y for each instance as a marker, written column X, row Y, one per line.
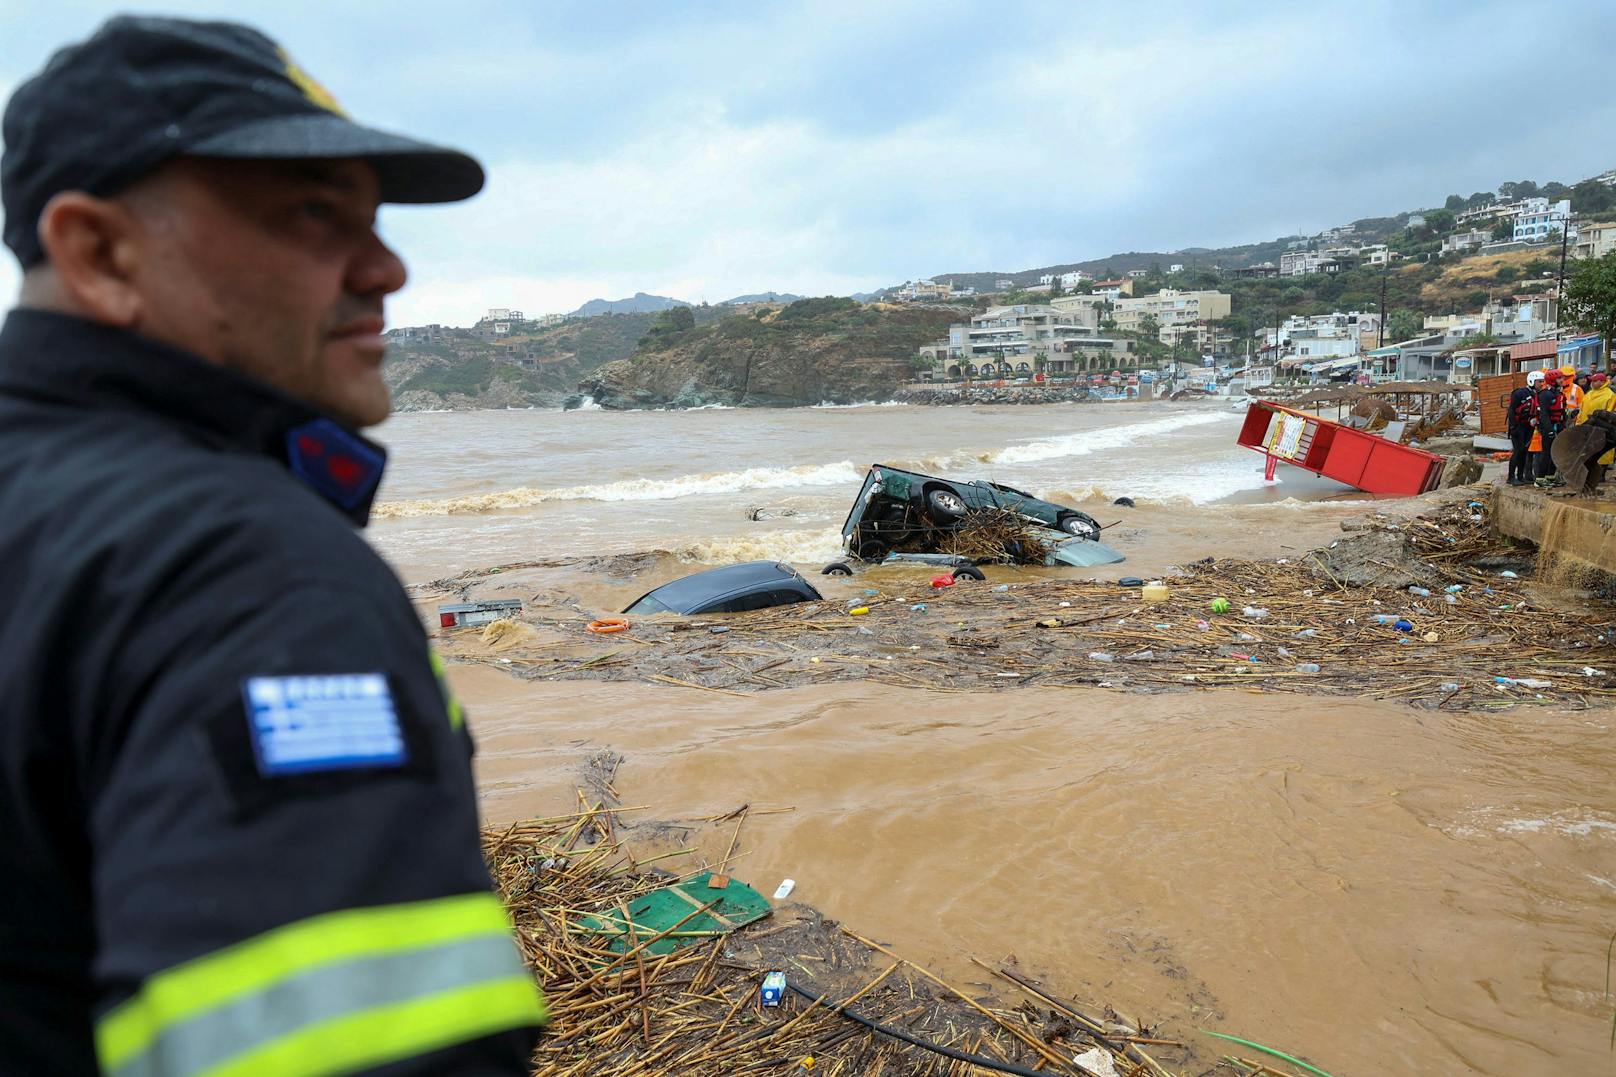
column 1522, row 410
column 237, row 820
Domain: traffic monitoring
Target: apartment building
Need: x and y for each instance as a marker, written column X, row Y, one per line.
column 1172, row 310
column 1539, row 219
column 1593, row 240
column 1459, row 242
column 1112, row 289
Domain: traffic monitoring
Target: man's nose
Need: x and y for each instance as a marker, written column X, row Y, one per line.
column 376, row 270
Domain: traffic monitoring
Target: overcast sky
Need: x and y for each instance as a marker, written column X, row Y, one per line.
column 702, row 150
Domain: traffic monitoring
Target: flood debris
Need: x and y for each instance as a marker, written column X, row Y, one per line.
column 1055, row 631
column 631, row 994
column 970, row 520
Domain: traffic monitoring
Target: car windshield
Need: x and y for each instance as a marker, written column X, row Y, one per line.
column 649, row 604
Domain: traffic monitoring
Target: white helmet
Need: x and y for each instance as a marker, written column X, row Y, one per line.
column 1534, row 377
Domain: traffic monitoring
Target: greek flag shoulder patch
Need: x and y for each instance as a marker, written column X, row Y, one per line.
column 323, row 722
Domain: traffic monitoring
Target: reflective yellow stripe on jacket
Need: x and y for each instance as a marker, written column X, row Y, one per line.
column 342, row 991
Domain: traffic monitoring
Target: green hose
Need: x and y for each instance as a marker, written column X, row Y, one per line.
column 1267, row 1050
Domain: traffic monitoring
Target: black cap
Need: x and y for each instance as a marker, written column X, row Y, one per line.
column 105, row 112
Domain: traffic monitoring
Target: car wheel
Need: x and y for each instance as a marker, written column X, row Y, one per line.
column 872, row 550
column 836, row 568
column 945, row 504
column 968, row 572
column 1078, row 524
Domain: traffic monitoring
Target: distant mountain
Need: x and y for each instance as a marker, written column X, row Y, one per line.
column 761, row 297
column 639, row 304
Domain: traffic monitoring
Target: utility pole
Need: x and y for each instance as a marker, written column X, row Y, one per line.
column 1565, row 239
column 1385, row 268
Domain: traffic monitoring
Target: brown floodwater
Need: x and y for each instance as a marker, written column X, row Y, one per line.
column 1383, row 890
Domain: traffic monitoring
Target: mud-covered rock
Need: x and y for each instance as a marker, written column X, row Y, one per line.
column 1374, row 559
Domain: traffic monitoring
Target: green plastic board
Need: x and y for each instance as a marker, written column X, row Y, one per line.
column 738, row 905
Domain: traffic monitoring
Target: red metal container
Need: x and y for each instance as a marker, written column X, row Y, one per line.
column 1337, row 451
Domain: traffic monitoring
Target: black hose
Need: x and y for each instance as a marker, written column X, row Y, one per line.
column 906, row 1037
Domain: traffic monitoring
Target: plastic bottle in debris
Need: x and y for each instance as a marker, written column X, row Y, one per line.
column 1454, row 588
column 1524, row 682
column 1140, row 656
column 1308, row 667
column 1101, row 656
column 1450, row 600
column 1385, row 619
column 1419, row 592
column 1256, row 613
column 1307, row 633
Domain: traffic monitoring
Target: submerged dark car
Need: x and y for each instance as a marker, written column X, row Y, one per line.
column 754, row 585
column 894, row 505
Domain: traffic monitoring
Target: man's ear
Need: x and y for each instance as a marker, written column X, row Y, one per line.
column 90, row 245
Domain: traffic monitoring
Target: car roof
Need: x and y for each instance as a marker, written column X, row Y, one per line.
column 692, row 590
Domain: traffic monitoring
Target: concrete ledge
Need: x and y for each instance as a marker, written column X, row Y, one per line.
column 1577, row 529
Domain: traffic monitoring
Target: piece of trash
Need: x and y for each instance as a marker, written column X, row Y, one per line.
column 1431, row 637
column 1049, row 622
column 870, row 593
column 1447, row 688
column 1256, row 613
column 918, row 607
column 1156, row 591
column 1307, row 633
column 716, row 881
column 1524, row 682
column 1590, row 671
column 1065, row 605
column 1146, row 655
column 1308, row 667
column 1450, row 600
column 1404, row 626
column 1508, row 575
column 1247, row 637
column 1454, row 588
column 718, row 630
column 783, row 891
column 1125, row 502
column 1220, row 605
column 942, row 581
column 774, row 989
column 1419, row 592
column 1130, row 581
column 858, row 611
column 1283, row 653
column 1101, row 656
column 806, row 1063
column 1002, row 587
column 1097, row 1061
column 1007, row 674
column 1385, row 619
column 815, row 661
column 1202, row 626
column 866, row 631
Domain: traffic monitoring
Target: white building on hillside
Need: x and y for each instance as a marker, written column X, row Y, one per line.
column 1539, row 219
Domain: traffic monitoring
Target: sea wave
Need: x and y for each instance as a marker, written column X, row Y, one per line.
column 801, row 547
column 826, row 404
column 843, row 472
column 1091, row 441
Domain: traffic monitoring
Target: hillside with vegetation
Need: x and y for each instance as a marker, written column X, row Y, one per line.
column 1591, row 199
column 530, row 367
column 811, row 351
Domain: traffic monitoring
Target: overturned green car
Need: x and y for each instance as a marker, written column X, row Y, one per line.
column 903, row 515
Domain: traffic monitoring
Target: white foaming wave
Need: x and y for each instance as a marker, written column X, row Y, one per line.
column 757, row 478
column 800, row 547
column 826, row 404
column 712, row 407
column 588, row 403
column 1091, row 441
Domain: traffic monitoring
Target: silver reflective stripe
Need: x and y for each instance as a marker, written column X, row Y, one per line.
column 216, row 1036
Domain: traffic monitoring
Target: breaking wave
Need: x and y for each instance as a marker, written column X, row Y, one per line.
column 1090, row 441
column 841, row 473
column 802, row 547
column 824, row 405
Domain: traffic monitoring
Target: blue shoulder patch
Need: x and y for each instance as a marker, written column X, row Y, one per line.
column 340, row 466
column 301, row 725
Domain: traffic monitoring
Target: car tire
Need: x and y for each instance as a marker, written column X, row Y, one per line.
column 944, row 505
column 1075, row 523
column 969, row 572
column 872, row 550
column 836, row 568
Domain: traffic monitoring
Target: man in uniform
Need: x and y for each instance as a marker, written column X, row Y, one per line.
column 1551, row 419
column 238, row 829
column 1522, row 425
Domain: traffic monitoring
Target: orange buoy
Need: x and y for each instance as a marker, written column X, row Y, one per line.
column 607, row 625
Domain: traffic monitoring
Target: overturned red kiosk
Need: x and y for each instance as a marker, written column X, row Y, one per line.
column 1367, row 461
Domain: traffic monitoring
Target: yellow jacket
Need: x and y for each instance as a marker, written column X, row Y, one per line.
column 1600, row 399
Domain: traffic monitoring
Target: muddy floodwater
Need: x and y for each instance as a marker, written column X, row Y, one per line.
column 1385, row 890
